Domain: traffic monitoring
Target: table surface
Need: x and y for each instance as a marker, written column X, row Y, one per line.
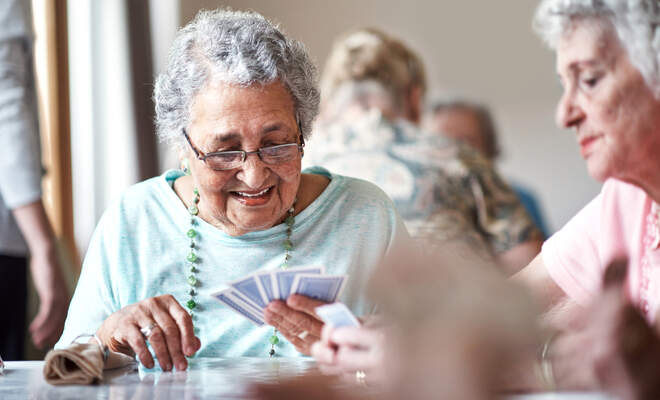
column 205, row 378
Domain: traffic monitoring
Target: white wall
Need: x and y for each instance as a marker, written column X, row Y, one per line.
column 482, row 49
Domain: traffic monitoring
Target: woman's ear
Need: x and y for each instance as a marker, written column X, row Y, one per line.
column 185, row 165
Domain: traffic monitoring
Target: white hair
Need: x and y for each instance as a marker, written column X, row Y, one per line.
column 236, row 47
column 635, row 22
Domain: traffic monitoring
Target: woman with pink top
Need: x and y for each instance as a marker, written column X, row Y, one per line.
column 608, row 62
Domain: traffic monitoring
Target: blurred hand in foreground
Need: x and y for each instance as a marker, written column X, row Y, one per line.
column 609, row 346
column 349, row 350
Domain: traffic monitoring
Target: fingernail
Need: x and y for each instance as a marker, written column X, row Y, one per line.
column 181, row 366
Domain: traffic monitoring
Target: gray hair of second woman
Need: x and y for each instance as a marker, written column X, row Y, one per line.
column 234, row 47
column 635, row 22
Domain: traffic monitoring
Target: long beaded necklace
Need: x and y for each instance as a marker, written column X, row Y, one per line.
column 192, row 258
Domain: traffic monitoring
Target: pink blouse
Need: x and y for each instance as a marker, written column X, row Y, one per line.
column 621, row 221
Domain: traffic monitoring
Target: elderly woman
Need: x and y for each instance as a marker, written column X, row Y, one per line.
column 608, row 60
column 238, row 99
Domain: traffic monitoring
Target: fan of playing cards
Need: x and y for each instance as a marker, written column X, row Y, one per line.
column 249, row 296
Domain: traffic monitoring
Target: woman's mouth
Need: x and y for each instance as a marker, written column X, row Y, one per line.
column 253, row 197
column 587, row 145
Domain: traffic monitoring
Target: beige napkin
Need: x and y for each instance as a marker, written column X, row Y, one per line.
column 80, row 364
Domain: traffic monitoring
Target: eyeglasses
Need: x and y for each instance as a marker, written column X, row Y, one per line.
column 224, row 160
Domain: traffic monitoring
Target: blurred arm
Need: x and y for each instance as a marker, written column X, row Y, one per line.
column 20, row 167
column 535, row 276
column 519, row 256
column 46, row 273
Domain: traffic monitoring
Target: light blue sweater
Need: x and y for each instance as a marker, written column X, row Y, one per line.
column 139, row 247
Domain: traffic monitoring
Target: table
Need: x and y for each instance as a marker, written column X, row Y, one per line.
column 215, row 378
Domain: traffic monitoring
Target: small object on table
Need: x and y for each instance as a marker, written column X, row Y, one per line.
column 81, row 363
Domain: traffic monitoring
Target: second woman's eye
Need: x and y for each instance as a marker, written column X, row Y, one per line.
column 590, row 81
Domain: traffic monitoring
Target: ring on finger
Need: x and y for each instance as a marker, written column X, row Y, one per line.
column 361, row 377
column 302, row 335
column 148, row 330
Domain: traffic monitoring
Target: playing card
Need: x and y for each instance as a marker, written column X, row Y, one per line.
column 320, row 287
column 283, row 279
column 336, row 315
column 265, row 282
column 250, row 289
column 230, row 298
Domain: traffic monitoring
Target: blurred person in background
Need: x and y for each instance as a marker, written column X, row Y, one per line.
column 473, row 124
column 25, row 231
column 372, row 90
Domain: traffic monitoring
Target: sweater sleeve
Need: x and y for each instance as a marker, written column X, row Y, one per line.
column 20, row 155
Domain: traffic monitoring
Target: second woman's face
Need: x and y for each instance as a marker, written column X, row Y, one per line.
column 254, row 196
column 606, row 100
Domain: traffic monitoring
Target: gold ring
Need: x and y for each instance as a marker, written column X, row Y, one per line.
column 361, row 377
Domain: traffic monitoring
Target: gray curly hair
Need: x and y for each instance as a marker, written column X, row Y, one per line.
column 236, row 47
column 636, row 22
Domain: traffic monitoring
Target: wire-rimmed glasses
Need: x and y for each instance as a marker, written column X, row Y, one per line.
column 225, row 160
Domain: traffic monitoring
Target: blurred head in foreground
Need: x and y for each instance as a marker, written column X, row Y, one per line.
column 453, row 329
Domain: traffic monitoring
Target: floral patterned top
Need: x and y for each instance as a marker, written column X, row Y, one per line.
column 443, row 190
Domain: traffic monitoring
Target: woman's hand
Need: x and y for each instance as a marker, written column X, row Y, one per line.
column 172, row 336
column 296, row 320
column 349, row 349
column 47, row 325
column 618, row 350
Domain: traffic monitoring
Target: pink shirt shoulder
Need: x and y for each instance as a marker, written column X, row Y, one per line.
column 621, row 221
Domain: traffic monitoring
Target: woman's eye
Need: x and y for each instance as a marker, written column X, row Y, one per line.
column 591, row 81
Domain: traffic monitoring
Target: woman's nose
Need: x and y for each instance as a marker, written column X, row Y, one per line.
column 254, row 172
column 569, row 113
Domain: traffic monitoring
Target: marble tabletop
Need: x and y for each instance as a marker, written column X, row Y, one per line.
column 205, row 378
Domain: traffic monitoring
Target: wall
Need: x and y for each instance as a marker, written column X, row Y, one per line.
column 482, row 49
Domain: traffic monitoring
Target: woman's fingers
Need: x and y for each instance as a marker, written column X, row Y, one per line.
column 137, row 343
column 166, row 339
column 300, row 328
column 158, row 342
column 176, row 325
column 190, row 343
column 352, row 359
column 305, row 304
column 169, row 327
column 293, row 321
column 356, row 337
column 322, row 353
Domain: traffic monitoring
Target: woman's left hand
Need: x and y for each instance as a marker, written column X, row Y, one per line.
column 296, row 320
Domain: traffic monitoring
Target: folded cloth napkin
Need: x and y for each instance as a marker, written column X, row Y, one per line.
column 81, row 364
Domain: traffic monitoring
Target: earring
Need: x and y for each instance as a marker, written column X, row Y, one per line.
column 185, row 166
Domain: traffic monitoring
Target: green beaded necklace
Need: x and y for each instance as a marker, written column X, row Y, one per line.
column 192, row 258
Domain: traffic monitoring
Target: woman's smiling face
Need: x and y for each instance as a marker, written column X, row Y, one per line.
column 254, row 196
column 607, row 101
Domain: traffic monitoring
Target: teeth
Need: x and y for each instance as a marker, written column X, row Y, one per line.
column 253, row 195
